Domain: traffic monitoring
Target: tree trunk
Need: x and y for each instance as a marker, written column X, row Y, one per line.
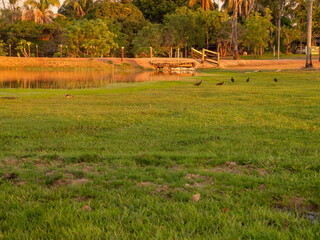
column 287, row 49
column 309, row 34
column 279, row 29
column 235, row 30
column 301, row 44
column 207, row 39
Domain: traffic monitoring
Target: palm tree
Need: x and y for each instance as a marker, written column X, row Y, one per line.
column 245, row 7
column 309, row 34
column 205, row 4
column 39, row 10
column 76, row 8
column 235, row 5
column 11, row 10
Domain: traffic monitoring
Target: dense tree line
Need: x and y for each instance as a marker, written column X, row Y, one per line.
column 100, row 28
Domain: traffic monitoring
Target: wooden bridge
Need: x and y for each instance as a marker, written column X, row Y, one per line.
column 167, row 65
column 186, row 65
column 206, row 55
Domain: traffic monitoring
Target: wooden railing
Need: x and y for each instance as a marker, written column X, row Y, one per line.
column 206, row 55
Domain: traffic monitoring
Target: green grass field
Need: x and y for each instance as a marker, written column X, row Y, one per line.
column 123, row 162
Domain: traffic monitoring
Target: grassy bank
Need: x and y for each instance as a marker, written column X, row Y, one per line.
column 269, row 56
column 17, row 63
column 123, row 162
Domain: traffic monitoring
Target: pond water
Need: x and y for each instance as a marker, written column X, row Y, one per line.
column 79, row 79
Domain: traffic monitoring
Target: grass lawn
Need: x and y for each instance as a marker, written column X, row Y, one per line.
column 123, row 162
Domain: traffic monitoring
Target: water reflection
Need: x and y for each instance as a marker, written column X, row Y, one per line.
column 76, row 80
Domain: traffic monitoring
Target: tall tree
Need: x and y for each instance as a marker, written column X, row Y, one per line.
column 235, row 6
column 245, row 7
column 39, row 10
column 205, row 4
column 279, row 8
column 11, row 10
column 309, row 34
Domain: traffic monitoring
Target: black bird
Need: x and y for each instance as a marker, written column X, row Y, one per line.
column 11, row 176
column 68, row 96
column 248, row 80
column 275, row 79
column 232, row 79
column 198, row 84
column 220, row 83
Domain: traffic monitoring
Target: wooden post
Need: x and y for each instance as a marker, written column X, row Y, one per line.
column 66, row 51
column 191, row 52
column 186, row 52
column 150, row 52
column 37, row 50
column 171, row 52
column 9, row 50
column 91, row 52
column 178, row 54
column 29, row 49
column 202, row 59
column 122, row 54
column 60, row 51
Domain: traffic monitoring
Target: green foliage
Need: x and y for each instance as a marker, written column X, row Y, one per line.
column 126, row 20
column 316, row 19
column 43, row 35
column 182, row 27
column 209, row 22
column 76, row 8
column 2, row 48
column 289, row 35
column 128, row 15
column 190, row 28
column 257, row 30
column 84, row 34
column 150, row 36
column 24, row 30
column 22, row 47
column 155, row 10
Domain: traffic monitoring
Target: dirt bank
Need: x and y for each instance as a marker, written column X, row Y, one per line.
column 143, row 63
column 266, row 64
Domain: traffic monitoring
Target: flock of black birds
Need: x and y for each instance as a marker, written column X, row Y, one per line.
column 232, row 80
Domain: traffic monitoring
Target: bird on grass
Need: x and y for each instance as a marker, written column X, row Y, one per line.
column 232, row 79
column 275, row 79
column 248, row 80
column 198, row 84
column 10, row 176
column 219, row 84
column 68, row 96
